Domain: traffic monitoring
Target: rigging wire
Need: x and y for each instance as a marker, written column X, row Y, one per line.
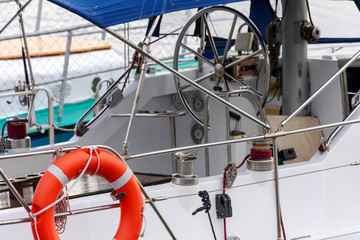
column 212, row 24
column 135, row 57
column 276, row 8
column 284, row 10
column 308, row 8
column 165, row 35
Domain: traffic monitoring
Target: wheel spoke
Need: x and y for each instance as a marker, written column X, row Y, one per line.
column 243, row 59
column 212, row 43
column 226, row 85
column 241, row 82
column 200, row 79
column 198, row 55
column 227, row 46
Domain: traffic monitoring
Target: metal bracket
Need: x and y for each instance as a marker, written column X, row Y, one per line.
column 117, row 197
column 355, row 163
column 231, row 175
column 81, row 129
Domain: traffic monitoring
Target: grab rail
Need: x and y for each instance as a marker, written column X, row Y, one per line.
column 80, row 128
column 109, row 81
column 76, row 212
column 245, row 139
column 50, row 107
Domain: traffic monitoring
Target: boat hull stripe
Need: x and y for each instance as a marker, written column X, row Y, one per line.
column 59, row 174
column 121, row 181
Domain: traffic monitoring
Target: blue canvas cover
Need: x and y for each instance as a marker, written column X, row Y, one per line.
column 106, row 13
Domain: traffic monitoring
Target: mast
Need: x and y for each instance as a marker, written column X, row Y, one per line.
column 294, row 57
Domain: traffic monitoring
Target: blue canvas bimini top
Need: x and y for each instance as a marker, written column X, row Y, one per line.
column 106, row 13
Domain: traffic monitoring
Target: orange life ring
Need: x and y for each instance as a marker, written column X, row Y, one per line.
column 68, row 167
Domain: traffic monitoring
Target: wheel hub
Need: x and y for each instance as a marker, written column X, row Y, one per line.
column 219, row 70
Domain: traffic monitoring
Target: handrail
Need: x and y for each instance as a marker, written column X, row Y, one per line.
column 109, row 90
column 65, row 214
column 77, row 211
column 50, row 112
column 317, row 92
column 242, row 90
column 151, row 114
column 97, row 91
column 246, row 89
column 246, row 139
column 35, row 153
column 50, row 106
column 191, row 147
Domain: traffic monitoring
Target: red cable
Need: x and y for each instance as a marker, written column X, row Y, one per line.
column 224, row 177
column 260, row 154
column 15, row 131
column 224, row 185
column 242, row 163
column 165, row 35
column 282, row 226
column 3, row 129
column 129, row 71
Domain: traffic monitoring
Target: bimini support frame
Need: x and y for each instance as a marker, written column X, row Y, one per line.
column 143, row 61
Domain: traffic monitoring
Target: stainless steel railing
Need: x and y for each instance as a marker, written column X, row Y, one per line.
column 50, row 99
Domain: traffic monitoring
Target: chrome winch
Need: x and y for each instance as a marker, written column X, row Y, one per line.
column 16, row 134
column 185, row 165
column 260, row 156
